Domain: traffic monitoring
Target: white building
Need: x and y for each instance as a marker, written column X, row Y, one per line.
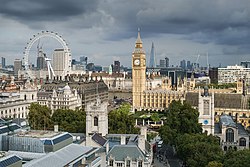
column 61, row 62
column 14, row 103
column 64, row 98
column 232, row 74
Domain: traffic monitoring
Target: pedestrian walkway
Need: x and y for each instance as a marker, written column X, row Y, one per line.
column 157, row 163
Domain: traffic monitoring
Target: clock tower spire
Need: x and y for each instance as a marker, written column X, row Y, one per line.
column 138, row 73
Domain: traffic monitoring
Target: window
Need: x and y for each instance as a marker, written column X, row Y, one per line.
column 140, row 163
column 111, row 162
column 206, row 107
column 242, row 141
column 95, row 121
column 230, row 135
column 128, row 163
column 119, row 164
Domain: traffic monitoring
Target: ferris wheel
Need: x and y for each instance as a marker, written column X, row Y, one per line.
column 37, row 37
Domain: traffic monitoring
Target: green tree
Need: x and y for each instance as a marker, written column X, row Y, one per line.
column 155, row 117
column 214, row 164
column 39, row 117
column 73, row 121
column 197, row 150
column 121, row 121
column 237, row 158
column 180, row 119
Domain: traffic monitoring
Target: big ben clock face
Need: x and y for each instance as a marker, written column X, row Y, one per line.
column 137, row 62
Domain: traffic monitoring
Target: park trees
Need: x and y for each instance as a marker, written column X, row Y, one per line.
column 39, row 117
column 73, row 121
column 180, row 119
column 121, row 121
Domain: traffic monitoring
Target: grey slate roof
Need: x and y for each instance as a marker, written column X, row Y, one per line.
column 9, row 160
column 120, row 152
column 227, row 120
column 61, row 157
column 99, row 139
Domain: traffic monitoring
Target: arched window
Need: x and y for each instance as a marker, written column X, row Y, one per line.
column 230, row 135
column 242, row 141
column 25, row 97
column 32, row 97
column 95, row 121
column 225, row 148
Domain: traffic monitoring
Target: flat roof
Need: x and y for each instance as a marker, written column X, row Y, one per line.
column 38, row 134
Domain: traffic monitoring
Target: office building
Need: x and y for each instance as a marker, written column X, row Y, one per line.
column 231, row 74
column 61, row 62
column 3, row 62
column 183, row 64
column 163, row 63
column 167, row 61
column 40, row 61
column 17, row 66
column 64, row 98
column 117, row 66
column 245, row 64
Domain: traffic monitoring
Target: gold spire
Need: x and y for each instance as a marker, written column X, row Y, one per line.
column 138, row 43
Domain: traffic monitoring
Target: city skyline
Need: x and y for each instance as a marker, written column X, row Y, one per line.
column 105, row 31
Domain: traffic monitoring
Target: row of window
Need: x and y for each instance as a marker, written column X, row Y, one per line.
column 127, row 164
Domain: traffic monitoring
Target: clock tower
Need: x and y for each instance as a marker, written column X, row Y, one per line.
column 206, row 111
column 138, row 74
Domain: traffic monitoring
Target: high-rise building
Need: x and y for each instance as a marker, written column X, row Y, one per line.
column 152, row 57
column 167, row 61
column 245, row 64
column 84, row 60
column 162, row 63
column 183, row 64
column 189, row 65
column 116, row 67
column 3, row 62
column 61, row 62
column 40, row 61
column 17, row 66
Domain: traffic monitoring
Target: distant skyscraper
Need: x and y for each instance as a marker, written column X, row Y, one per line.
column 167, row 61
column 162, row 63
column 17, row 66
column 152, row 57
column 245, row 64
column 40, row 61
column 189, row 65
column 183, row 64
column 3, row 62
column 84, row 60
column 116, row 66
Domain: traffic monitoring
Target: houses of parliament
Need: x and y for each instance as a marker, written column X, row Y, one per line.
column 146, row 97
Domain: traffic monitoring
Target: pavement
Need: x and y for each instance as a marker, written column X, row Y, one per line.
column 165, row 157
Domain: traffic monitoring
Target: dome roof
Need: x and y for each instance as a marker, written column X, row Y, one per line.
column 66, row 87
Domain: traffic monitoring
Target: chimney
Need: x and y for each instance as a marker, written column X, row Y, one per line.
column 123, row 140
column 142, row 138
column 141, row 143
column 56, row 127
column 144, row 132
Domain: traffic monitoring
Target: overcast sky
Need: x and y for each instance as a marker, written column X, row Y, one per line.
column 106, row 30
